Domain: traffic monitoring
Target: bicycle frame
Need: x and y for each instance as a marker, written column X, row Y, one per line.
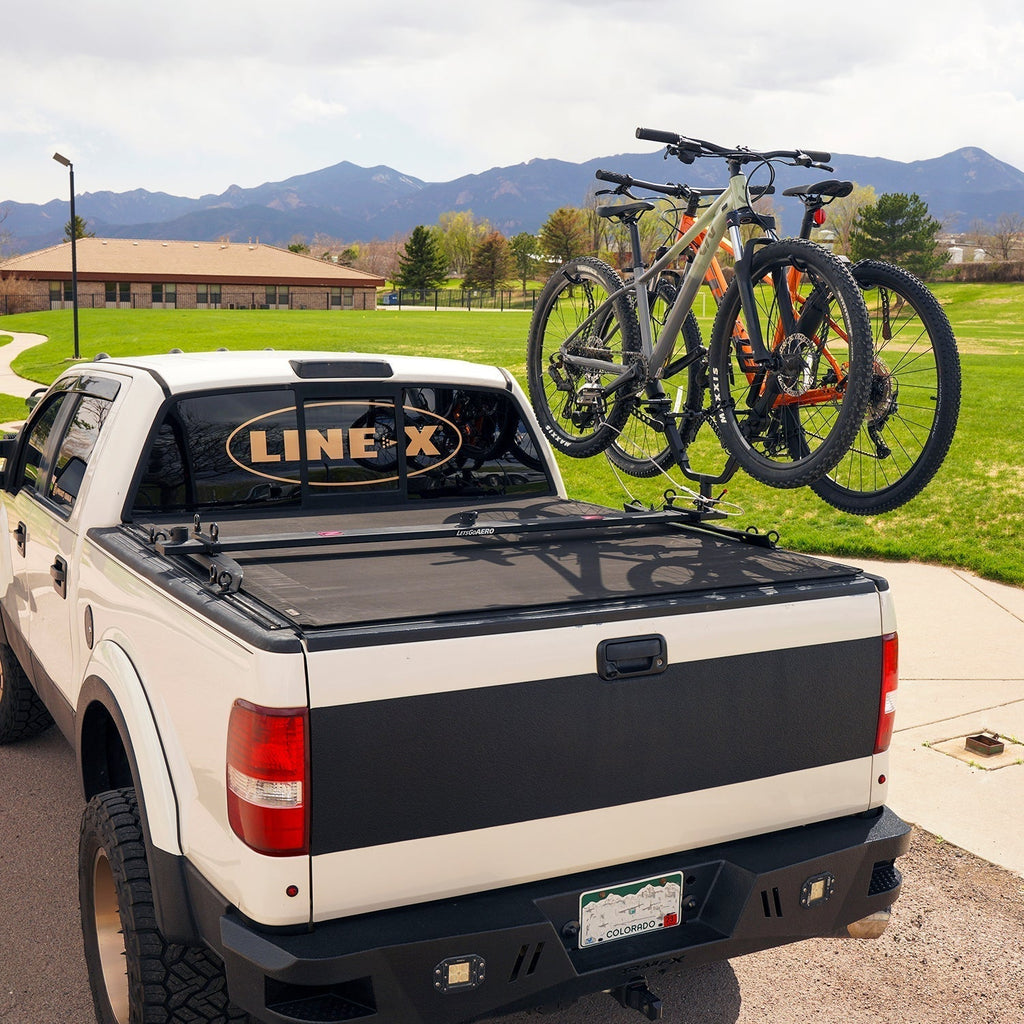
column 714, row 278
column 707, row 232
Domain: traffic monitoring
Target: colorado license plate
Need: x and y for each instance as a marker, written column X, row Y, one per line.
column 635, row 908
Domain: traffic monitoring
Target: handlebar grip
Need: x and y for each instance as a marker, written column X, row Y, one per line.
column 817, row 155
column 654, row 135
column 618, row 179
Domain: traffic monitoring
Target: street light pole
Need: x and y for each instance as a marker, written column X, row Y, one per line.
column 74, row 255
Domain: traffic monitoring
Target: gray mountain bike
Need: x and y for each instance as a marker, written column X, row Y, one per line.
column 789, row 382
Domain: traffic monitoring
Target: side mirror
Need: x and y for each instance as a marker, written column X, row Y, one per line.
column 33, row 400
column 8, row 446
column 68, row 481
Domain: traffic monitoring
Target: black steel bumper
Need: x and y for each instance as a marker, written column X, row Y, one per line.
column 511, row 949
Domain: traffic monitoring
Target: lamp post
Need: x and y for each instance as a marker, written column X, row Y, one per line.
column 74, row 256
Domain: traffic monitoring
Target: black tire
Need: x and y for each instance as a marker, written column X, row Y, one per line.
column 915, row 397
column 22, row 713
column 135, row 975
column 576, row 423
column 789, row 427
column 640, row 448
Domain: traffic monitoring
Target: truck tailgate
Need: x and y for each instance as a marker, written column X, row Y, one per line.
column 689, row 693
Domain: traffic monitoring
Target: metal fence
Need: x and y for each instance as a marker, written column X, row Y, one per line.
column 436, row 298
column 186, row 300
column 459, row 298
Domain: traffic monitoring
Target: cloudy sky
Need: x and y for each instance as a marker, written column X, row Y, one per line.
column 194, row 96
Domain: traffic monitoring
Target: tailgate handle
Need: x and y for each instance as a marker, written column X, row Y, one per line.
column 632, row 656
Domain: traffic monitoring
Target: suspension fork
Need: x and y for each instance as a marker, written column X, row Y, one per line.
column 748, row 303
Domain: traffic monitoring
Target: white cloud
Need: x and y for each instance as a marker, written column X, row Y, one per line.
column 194, row 98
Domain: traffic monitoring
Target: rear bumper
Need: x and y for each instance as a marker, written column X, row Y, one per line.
column 511, row 949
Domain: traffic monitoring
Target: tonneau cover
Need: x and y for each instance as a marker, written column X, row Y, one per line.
column 329, row 586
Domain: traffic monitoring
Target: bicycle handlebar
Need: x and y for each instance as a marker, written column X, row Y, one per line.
column 668, row 189
column 656, row 135
column 687, row 150
column 675, row 189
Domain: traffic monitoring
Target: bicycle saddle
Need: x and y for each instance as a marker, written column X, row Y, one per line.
column 830, row 187
column 624, row 211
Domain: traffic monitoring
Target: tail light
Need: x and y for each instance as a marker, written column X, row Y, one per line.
column 887, row 701
column 819, row 216
column 268, row 778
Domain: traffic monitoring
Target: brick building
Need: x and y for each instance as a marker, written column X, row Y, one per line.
column 119, row 273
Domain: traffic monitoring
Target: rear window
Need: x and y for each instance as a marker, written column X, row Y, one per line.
column 277, row 448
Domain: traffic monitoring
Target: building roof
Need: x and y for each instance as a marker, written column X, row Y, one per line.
column 143, row 260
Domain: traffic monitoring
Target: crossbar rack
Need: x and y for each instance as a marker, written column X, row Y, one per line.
column 213, row 551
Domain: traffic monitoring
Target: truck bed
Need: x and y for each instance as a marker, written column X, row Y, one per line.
column 390, row 579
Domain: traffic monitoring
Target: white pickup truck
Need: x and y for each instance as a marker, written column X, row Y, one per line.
column 373, row 722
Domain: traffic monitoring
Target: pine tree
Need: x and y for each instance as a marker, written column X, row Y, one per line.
column 491, row 265
column 423, row 265
column 81, row 229
column 565, row 235
column 525, row 249
column 898, row 228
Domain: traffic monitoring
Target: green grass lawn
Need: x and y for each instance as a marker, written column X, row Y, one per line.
column 971, row 515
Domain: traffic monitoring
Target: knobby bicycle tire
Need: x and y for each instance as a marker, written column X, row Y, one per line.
column 915, row 397
column 641, row 449
column 566, row 399
column 788, row 427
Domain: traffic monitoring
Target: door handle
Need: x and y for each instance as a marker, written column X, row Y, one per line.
column 20, row 537
column 59, row 575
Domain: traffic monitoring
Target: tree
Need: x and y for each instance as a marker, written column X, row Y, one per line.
column 1007, row 235
column 423, row 264
column 298, row 245
column 524, row 248
column 565, row 235
column 459, row 233
column 898, row 228
column 5, row 235
column 841, row 213
column 381, row 258
column 492, row 263
column 348, row 256
column 80, row 229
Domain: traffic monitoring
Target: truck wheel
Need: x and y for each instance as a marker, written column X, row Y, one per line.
column 22, row 713
column 135, row 975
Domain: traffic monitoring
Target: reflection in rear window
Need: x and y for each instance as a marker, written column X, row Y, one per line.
column 266, row 448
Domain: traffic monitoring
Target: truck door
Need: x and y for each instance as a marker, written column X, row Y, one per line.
column 47, row 478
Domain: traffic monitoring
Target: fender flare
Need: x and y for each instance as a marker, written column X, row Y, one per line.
column 112, row 683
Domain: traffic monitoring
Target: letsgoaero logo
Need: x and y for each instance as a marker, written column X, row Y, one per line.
column 260, row 446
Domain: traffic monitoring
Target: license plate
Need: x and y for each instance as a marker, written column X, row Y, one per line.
column 636, row 908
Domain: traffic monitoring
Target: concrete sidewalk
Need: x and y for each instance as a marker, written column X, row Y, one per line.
column 10, row 382
column 961, row 673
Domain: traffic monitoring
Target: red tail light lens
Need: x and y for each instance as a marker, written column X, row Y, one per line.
column 890, row 681
column 819, row 217
column 268, row 778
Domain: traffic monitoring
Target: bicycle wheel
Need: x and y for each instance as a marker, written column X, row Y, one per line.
column 791, row 422
column 576, row 316
column 915, row 397
column 641, row 449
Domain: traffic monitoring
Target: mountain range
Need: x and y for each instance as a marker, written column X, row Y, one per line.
column 358, row 204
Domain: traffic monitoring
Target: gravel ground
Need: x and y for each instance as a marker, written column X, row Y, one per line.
column 954, row 953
